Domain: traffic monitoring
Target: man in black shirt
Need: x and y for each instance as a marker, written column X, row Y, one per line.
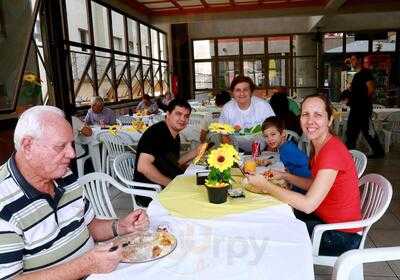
column 158, row 153
column 362, row 88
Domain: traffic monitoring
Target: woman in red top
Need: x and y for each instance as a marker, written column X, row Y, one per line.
column 332, row 193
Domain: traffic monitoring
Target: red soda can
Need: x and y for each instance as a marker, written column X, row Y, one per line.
column 255, row 149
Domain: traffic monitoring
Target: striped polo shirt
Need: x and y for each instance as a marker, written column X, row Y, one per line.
column 37, row 230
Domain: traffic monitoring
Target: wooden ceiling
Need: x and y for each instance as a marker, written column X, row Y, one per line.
column 186, row 7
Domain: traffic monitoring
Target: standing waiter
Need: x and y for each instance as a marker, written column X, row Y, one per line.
column 362, row 88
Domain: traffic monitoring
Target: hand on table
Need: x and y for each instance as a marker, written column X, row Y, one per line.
column 134, row 221
column 259, row 182
column 279, row 174
column 101, row 260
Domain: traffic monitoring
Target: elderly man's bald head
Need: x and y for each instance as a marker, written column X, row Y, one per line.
column 33, row 121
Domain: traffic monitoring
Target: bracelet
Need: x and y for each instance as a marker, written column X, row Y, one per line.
column 114, row 227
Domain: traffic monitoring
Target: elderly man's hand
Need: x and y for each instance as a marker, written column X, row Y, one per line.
column 102, row 260
column 134, row 221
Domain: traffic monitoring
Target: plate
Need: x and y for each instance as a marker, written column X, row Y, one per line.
column 146, row 247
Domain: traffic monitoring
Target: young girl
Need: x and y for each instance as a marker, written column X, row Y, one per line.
column 332, row 192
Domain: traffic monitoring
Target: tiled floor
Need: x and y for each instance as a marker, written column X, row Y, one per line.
column 386, row 232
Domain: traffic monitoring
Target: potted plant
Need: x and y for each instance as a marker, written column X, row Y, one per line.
column 220, row 161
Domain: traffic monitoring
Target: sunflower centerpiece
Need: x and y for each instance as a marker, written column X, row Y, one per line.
column 220, row 161
column 225, row 130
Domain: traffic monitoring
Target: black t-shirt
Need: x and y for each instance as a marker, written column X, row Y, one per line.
column 360, row 101
column 158, row 142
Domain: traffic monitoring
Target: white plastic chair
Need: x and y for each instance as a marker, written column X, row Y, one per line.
column 378, row 106
column 124, row 167
column 195, row 119
column 125, row 120
column 376, row 194
column 391, row 126
column 96, row 188
column 353, row 258
column 292, row 136
column 113, row 145
column 360, row 161
column 304, row 144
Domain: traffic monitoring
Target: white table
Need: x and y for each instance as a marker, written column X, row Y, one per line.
column 268, row 243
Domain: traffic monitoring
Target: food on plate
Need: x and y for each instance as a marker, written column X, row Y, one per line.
column 145, row 247
column 139, row 125
column 262, row 161
column 250, row 166
column 279, row 182
column 143, row 112
column 86, row 131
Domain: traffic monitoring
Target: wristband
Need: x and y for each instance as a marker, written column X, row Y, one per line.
column 114, row 226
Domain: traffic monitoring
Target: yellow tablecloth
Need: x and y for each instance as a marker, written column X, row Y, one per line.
column 183, row 198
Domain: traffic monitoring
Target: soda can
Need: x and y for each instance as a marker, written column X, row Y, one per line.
column 255, row 149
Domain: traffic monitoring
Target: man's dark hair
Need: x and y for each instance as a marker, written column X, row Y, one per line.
column 242, row 79
column 178, row 102
column 273, row 121
column 222, row 98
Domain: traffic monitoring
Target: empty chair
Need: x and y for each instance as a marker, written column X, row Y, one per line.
column 124, row 166
column 390, row 128
column 96, row 189
column 360, row 161
column 113, row 145
column 353, row 258
column 376, row 193
column 125, row 120
column 304, row 145
column 292, row 136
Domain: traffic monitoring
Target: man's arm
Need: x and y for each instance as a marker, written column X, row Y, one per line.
column 147, row 168
column 185, row 158
column 97, row 260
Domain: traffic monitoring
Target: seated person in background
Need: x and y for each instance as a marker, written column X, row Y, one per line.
column 164, row 101
column 293, row 105
column 158, row 157
column 294, row 160
column 98, row 114
column 332, row 193
column 220, row 100
column 280, row 104
column 245, row 110
column 47, row 227
column 147, row 105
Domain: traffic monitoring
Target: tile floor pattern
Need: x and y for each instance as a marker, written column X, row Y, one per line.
column 386, row 232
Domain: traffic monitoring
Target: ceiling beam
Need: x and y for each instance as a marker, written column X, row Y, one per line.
column 331, row 7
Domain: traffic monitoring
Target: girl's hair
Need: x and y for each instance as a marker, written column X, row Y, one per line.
column 328, row 109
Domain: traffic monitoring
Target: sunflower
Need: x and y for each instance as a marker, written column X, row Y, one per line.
column 222, row 128
column 221, row 159
column 229, row 149
column 32, row 78
column 113, row 130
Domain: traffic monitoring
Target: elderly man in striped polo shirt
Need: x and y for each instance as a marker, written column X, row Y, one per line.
column 47, row 229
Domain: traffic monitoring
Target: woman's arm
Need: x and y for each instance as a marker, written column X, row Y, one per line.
column 306, row 203
column 301, row 182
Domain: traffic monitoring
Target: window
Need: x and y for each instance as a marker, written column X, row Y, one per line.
column 117, row 43
column 333, row 42
column 121, row 72
column 84, row 35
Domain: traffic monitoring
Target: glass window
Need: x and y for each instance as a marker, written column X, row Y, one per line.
column 203, row 49
column 227, row 70
column 253, row 45
column 305, row 71
column 136, row 78
column 165, row 77
column 333, row 42
column 356, row 42
column 385, row 44
column 254, row 70
column 118, row 31
column 154, row 44
column 100, row 25
column 157, row 78
column 144, row 37
column 228, row 47
column 277, row 69
column 163, row 46
column 77, row 19
column 84, row 35
column 133, row 41
column 203, row 75
column 279, row 44
column 304, row 44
